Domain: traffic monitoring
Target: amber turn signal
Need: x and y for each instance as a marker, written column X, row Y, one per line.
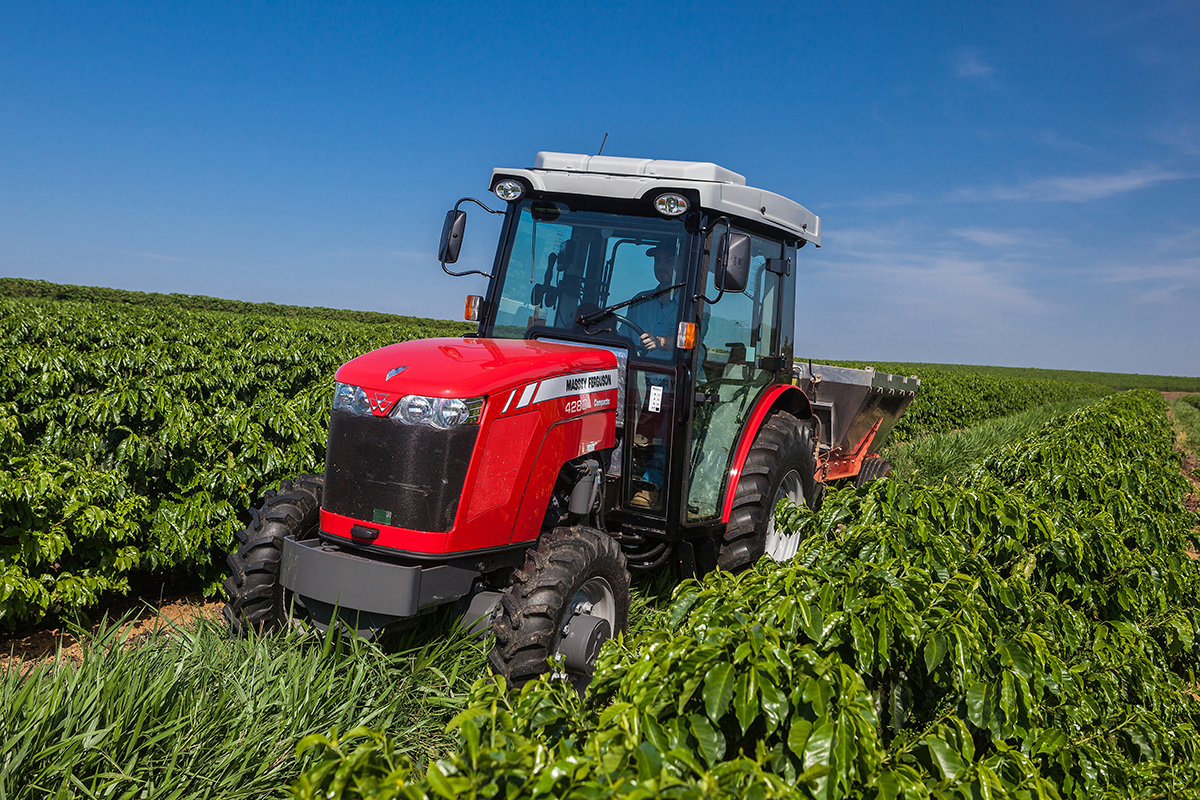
column 686, row 338
column 474, row 304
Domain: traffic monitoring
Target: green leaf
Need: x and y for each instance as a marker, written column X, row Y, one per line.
column 818, row 752
column 798, row 736
column 947, row 760
column 711, row 742
column 745, row 699
column 718, row 691
column 774, row 702
column 978, row 711
column 935, row 650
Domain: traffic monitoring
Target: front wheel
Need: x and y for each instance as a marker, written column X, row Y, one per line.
column 257, row 600
column 571, row 596
column 780, row 465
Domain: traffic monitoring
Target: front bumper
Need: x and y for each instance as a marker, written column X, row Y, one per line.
column 365, row 594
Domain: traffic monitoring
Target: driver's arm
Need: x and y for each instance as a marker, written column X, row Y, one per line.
column 651, row 342
column 652, row 318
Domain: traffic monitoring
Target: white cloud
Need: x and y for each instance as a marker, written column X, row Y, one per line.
column 932, row 279
column 969, row 63
column 1116, row 17
column 1056, row 141
column 988, row 237
column 1183, row 137
column 1184, row 271
column 410, row 255
column 173, row 259
column 1067, row 188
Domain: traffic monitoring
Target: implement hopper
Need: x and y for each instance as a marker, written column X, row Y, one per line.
column 856, row 408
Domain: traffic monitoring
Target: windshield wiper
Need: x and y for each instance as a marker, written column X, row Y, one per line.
column 606, row 312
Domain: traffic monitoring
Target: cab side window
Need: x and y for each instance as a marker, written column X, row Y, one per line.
column 735, row 334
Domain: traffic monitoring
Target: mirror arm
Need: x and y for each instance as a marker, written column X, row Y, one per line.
column 721, row 289
column 476, row 202
column 470, row 271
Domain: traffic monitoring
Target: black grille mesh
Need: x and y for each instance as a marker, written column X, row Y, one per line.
column 415, row 472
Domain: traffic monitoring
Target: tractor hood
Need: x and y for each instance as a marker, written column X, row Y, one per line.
column 471, row 367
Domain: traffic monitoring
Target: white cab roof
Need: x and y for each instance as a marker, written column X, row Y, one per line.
column 720, row 189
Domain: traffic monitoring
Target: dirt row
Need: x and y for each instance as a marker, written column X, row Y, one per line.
column 145, row 617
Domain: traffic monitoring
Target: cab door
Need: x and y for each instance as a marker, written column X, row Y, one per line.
column 738, row 337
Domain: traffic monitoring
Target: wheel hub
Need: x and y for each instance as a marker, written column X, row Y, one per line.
column 782, row 547
column 588, row 624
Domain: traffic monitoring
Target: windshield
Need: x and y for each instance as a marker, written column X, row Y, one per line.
column 565, row 264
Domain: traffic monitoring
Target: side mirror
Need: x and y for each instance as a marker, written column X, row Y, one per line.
column 733, row 262
column 452, row 236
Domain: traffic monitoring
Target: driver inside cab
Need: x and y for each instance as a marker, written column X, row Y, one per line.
column 657, row 316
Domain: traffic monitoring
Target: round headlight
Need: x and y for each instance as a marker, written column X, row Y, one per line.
column 343, row 397
column 509, row 190
column 671, row 204
column 449, row 413
column 414, row 409
column 360, row 404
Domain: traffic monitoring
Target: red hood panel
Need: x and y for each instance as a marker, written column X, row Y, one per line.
column 467, row 367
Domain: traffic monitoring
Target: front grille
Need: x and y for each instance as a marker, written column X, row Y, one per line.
column 381, row 470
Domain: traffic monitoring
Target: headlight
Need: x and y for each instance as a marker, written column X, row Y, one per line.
column 440, row 412
column 413, row 409
column 352, row 399
column 671, row 204
column 509, row 190
column 449, row 413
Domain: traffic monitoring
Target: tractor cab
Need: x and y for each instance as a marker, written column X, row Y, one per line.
column 684, row 273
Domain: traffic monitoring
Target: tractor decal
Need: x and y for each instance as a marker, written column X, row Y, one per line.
column 381, row 403
column 573, row 385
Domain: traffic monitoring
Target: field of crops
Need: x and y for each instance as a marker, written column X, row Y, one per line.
column 1031, row 633
column 135, row 437
column 138, row 429
column 952, row 399
column 1119, row 381
column 1017, row 620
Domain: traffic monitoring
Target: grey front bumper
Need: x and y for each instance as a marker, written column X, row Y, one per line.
column 367, row 594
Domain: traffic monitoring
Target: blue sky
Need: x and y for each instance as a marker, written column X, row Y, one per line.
column 1016, row 184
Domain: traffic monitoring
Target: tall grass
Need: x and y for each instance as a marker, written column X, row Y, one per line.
column 951, row 456
column 1186, row 411
column 191, row 713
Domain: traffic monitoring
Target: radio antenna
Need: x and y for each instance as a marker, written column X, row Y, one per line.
column 602, row 143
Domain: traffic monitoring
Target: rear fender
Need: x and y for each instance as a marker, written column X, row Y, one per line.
column 782, row 397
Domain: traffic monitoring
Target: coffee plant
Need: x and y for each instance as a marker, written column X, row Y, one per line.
column 1028, row 633
column 136, row 437
column 951, row 401
column 137, row 429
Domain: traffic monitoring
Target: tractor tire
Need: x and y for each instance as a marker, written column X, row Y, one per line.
column 257, row 600
column 780, row 464
column 872, row 469
column 573, row 571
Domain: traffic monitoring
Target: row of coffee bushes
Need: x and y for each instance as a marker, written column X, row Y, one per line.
column 1031, row 632
column 135, row 437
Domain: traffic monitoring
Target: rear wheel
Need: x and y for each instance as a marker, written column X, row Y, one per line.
column 872, row 469
column 571, row 596
column 257, row 600
column 780, row 465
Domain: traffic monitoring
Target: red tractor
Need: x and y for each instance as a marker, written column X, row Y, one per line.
column 628, row 402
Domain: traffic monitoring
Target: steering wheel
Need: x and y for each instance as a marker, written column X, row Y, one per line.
column 637, row 332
